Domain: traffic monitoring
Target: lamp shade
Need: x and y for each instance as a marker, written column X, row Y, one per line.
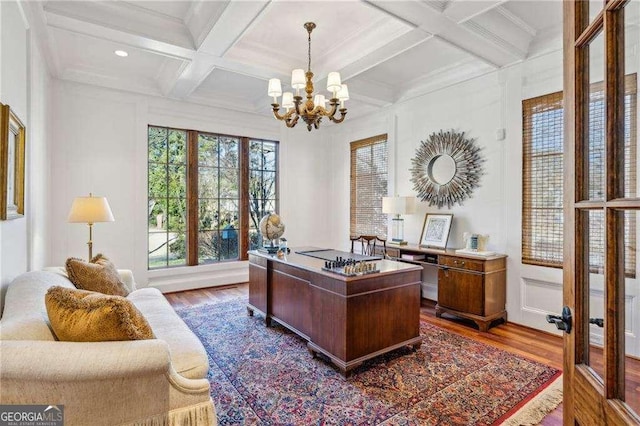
column 287, row 100
column 298, row 80
column 275, row 88
column 90, row 210
column 319, row 100
column 343, row 94
column 333, row 82
column 398, row 205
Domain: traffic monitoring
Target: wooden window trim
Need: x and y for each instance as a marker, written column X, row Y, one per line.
column 191, row 178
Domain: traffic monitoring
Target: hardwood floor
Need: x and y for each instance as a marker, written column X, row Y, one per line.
column 539, row 346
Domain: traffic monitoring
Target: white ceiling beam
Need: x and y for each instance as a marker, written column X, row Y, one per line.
column 233, row 22
column 461, row 11
column 377, row 94
column 78, row 26
column 202, row 16
column 427, row 18
column 127, row 18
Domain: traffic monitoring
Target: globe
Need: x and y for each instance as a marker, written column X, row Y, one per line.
column 271, row 227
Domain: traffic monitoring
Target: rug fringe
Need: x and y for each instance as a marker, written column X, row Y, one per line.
column 535, row 410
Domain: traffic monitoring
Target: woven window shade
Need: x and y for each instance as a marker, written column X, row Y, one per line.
column 369, row 174
column 542, row 178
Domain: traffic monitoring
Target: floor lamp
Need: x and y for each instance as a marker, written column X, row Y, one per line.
column 398, row 206
column 90, row 210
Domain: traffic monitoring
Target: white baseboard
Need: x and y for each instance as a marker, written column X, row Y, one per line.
column 192, row 281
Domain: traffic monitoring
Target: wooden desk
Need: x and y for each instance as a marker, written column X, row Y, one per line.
column 469, row 286
column 348, row 319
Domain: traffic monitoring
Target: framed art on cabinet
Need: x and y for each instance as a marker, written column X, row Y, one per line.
column 12, row 163
column 435, row 231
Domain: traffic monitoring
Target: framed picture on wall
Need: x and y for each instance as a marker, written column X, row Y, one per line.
column 12, row 163
column 435, row 231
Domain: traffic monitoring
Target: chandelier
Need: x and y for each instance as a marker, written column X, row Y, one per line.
column 314, row 108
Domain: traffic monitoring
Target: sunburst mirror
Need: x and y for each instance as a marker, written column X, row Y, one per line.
column 446, row 169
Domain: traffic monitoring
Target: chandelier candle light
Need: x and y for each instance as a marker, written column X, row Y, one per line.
column 398, row 206
column 314, row 108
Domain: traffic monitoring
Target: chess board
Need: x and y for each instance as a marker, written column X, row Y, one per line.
column 330, row 254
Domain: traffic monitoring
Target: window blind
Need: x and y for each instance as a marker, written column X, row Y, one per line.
column 369, row 175
column 542, row 201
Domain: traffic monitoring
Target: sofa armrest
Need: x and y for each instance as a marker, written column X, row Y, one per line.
column 98, row 383
column 126, row 275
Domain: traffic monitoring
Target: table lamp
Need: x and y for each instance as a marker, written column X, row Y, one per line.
column 398, row 206
column 90, row 210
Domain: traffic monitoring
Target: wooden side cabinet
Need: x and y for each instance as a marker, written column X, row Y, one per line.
column 472, row 288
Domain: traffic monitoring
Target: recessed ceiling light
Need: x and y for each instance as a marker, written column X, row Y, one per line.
column 121, row 53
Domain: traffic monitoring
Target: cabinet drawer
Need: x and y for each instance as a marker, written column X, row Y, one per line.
column 461, row 263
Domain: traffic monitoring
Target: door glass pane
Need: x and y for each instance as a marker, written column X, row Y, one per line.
column 632, row 65
column 632, row 286
column 595, row 7
column 596, row 289
column 596, row 120
column 631, row 320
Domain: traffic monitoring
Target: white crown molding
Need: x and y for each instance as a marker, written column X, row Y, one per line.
column 462, row 11
column 498, row 41
column 444, row 77
column 94, row 77
column 437, row 5
column 516, row 20
column 385, row 53
column 35, row 16
column 78, row 26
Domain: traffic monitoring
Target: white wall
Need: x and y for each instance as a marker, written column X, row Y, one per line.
column 24, row 86
column 100, row 146
column 477, row 107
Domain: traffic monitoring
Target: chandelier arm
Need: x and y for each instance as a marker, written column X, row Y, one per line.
column 276, row 112
column 291, row 122
column 343, row 113
column 334, row 108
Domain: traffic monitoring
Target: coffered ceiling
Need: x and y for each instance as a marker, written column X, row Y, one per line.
column 222, row 53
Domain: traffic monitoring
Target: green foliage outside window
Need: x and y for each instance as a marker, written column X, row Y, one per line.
column 218, row 193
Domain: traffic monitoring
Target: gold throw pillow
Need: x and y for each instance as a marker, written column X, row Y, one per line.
column 99, row 274
column 87, row 316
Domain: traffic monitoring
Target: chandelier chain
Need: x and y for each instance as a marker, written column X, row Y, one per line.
column 309, row 66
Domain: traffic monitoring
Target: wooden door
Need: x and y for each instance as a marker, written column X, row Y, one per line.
column 601, row 202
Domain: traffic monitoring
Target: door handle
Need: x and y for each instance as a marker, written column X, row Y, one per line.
column 562, row 322
column 597, row 321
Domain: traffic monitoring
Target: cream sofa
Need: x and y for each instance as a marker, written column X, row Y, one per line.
column 144, row 382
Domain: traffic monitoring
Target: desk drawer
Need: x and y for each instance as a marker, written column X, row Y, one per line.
column 461, row 263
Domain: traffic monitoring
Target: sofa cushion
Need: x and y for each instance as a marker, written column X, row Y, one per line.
column 25, row 315
column 87, row 316
column 99, row 274
column 187, row 353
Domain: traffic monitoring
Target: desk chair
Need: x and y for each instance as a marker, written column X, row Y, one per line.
column 368, row 244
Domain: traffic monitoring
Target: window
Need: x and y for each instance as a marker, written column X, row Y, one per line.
column 207, row 194
column 542, row 182
column 368, row 186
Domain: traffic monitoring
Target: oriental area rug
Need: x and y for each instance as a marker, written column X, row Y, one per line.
column 265, row 376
